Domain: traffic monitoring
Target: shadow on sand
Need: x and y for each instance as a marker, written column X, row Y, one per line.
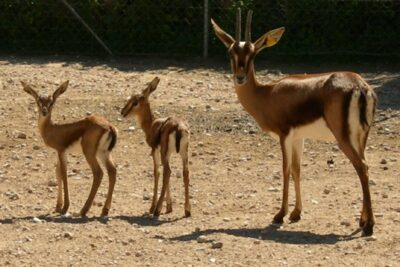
column 273, row 233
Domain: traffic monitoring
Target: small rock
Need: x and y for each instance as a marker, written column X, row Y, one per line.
column 138, row 254
column 226, row 219
column 52, row 183
column 345, row 223
column 21, row 136
column 68, row 235
column 36, row 220
column 371, row 238
column 314, row 201
column 383, row 161
column 216, row 244
column 212, row 260
column 146, row 196
column 131, row 128
column 273, row 189
column 202, row 239
column 326, row 191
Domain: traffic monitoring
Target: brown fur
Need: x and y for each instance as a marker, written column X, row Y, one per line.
column 61, row 136
column 297, row 100
column 157, row 132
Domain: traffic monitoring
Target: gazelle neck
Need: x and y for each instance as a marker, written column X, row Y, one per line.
column 145, row 118
column 44, row 123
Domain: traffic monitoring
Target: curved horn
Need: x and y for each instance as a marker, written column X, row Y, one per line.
column 238, row 24
column 248, row 26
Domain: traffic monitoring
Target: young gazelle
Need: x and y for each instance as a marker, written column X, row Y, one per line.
column 164, row 136
column 94, row 134
column 327, row 106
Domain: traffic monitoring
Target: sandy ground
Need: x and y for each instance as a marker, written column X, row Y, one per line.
column 235, row 174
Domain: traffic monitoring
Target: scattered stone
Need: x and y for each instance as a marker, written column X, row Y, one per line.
column 326, row 191
column 216, row 244
column 36, row 220
column 146, row 196
column 314, row 201
column 52, row 183
column 202, row 239
column 371, row 238
column 345, row 223
column 273, row 189
column 131, row 128
column 21, row 136
column 383, row 161
column 226, row 219
column 138, row 254
column 371, row 182
column 68, row 235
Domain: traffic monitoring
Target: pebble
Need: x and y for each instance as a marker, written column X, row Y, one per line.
column 273, row 189
column 371, row 238
column 226, row 219
column 21, row 136
column 383, row 161
column 345, row 223
column 131, row 128
column 138, row 254
column 68, row 235
column 202, row 239
column 326, row 191
column 36, row 220
column 216, row 244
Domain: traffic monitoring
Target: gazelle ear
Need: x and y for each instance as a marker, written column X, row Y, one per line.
column 151, row 87
column 60, row 90
column 29, row 90
column 225, row 38
column 269, row 39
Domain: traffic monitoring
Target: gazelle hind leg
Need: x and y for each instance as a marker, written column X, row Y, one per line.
column 105, row 159
column 295, row 170
column 168, row 199
column 90, row 155
column 165, row 155
column 59, row 187
column 185, row 166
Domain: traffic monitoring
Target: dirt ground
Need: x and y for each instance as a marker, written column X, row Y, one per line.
column 235, row 174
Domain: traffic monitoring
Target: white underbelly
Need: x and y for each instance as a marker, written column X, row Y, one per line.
column 317, row 130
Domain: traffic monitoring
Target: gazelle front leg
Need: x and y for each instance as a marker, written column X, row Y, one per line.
column 286, row 147
column 62, row 166
column 296, row 162
column 156, row 164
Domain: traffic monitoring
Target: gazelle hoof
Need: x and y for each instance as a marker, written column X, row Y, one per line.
column 295, row 216
column 156, row 213
column 169, row 208
column 368, row 229
column 104, row 212
column 188, row 213
column 278, row 219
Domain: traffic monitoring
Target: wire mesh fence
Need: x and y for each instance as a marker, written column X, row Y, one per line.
column 177, row 27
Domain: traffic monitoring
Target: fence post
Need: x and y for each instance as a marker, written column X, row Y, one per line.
column 205, row 33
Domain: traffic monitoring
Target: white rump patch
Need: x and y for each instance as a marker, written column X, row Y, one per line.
column 104, row 142
column 317, row 130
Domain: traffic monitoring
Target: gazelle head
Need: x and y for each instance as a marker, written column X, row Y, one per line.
column 137, row 101
column 45, row 103
column 242, row 53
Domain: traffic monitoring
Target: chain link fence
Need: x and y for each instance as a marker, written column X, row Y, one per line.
column 182, row 28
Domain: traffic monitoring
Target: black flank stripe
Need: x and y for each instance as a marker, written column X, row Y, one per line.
column 178, row 136
column 362, row 104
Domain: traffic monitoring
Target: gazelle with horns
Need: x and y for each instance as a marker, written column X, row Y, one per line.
column 326, row 106
column 94, row 135
column 164, row 136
